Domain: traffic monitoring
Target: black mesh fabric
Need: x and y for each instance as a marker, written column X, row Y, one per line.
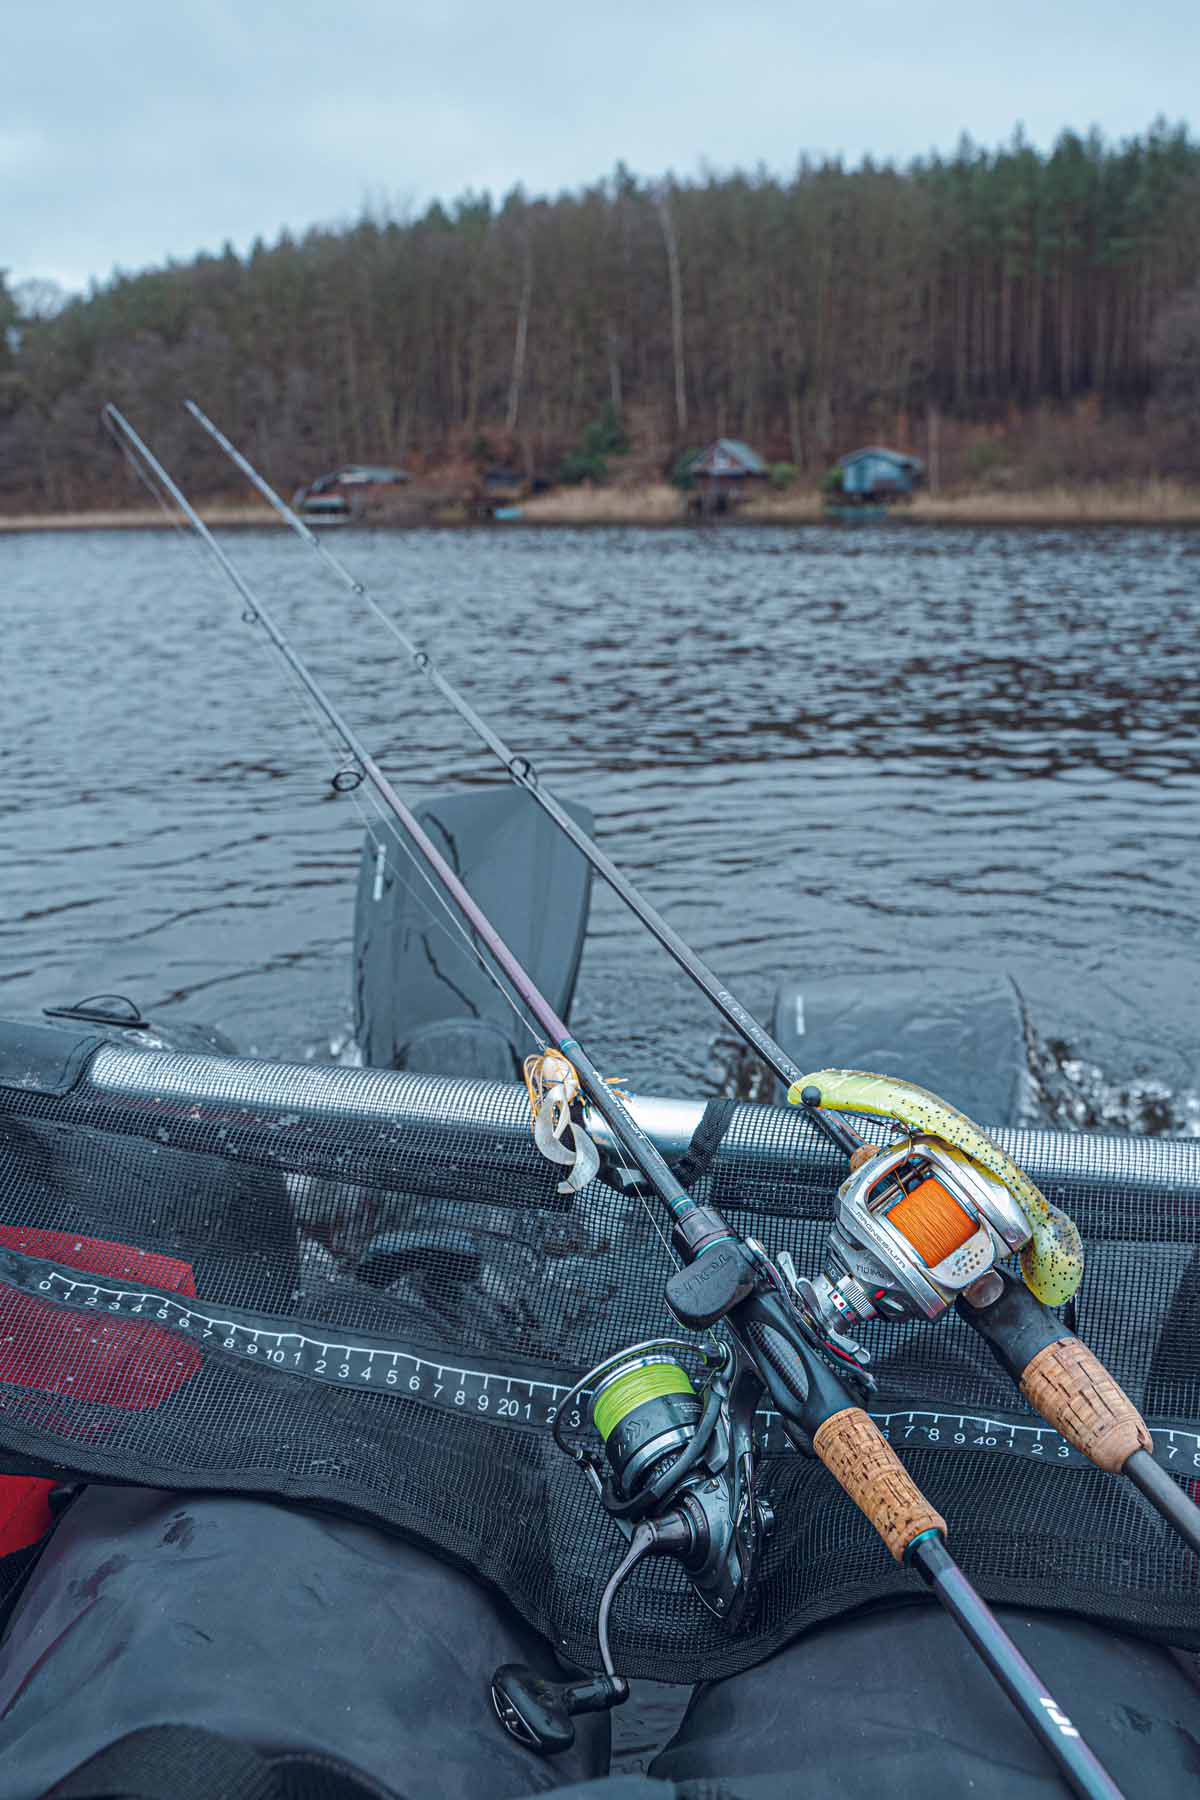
column 184, row 1239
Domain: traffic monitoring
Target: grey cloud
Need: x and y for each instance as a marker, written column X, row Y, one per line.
column 147, row 132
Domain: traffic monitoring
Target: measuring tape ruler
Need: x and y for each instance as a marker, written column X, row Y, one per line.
column 1176, row 1445
column 521, row 1395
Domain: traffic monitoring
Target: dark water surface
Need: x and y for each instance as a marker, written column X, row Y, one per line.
column 816, row 750
column 824, row 749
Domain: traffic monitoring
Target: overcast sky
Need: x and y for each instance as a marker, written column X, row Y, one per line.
column 137, row 131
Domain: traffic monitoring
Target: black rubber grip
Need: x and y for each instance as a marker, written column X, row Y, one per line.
column 1016, row 1327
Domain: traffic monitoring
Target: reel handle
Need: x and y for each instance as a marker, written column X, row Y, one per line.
column 538, row 1713
column 861, row 1460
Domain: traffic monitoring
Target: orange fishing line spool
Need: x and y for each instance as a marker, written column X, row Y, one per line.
column 932, row 1221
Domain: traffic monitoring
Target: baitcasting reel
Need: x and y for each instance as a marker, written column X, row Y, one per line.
column 679, row 1482
column 916, row 1226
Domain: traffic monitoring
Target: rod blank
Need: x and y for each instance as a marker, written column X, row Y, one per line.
column 1166, row 1496
column 521, row 771
column 632, row 1139
column 1024, row 1687
column 928, row 1553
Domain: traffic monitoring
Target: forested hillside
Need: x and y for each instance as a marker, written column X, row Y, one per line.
column 804, row 315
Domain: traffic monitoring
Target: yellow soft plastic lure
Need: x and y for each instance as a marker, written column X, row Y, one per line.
column 1052, row 1260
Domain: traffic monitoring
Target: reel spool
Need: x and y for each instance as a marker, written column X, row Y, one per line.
column 915, row 1226
column 647, row 1411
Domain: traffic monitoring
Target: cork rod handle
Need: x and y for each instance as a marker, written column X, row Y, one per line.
column 859, row 1457
column 1076, row 1394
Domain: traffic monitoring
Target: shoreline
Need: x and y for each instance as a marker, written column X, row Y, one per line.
column 1154, row 503
column 138, row 518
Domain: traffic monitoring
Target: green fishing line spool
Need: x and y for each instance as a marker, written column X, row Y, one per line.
column 646, row 1410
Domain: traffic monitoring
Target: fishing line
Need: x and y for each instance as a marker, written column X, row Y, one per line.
column 522, row 771
column 459, row 938
column 459, row 929
column 455, row 931
column 173, row 518
column 393, row 831
column 450, row 925
column 706, row 1512
column 457, row 934
column 611, row 1106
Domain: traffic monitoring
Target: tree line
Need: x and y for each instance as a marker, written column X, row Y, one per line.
column 803, row 315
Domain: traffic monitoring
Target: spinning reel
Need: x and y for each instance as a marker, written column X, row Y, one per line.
column 916, row 1226
column 679, row 1481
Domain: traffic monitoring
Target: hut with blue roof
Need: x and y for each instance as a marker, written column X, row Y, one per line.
column 875, row 475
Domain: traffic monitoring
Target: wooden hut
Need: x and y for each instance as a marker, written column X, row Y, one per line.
column 877, row 475
column 720, row 474
column 356, row 491
column 497, row 492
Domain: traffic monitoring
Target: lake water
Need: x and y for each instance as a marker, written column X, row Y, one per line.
column 830, row 750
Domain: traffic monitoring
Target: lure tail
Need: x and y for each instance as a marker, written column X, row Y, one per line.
column 552, row 1084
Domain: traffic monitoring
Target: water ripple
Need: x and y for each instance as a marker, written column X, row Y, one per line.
column 816, row 750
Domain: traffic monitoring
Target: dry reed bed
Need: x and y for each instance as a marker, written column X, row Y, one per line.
column 135, row 519
column 1142, row 503
column 655, row 505
column 1123, row 503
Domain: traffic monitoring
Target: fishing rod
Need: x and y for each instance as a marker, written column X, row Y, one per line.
column 681, row 1474
column 1057, row 1374
column 523, row 773
column 620, row 1121
column 920, row 1227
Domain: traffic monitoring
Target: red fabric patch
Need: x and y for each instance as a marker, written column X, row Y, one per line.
column 24, row 1511
column 99, row 1257
column 90, row 1355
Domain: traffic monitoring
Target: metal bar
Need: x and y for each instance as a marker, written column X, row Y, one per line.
column 774, row 1137
column 319, row 1091
column 633, row 1141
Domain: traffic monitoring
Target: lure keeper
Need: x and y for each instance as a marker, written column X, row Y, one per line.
column 554, row 1089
